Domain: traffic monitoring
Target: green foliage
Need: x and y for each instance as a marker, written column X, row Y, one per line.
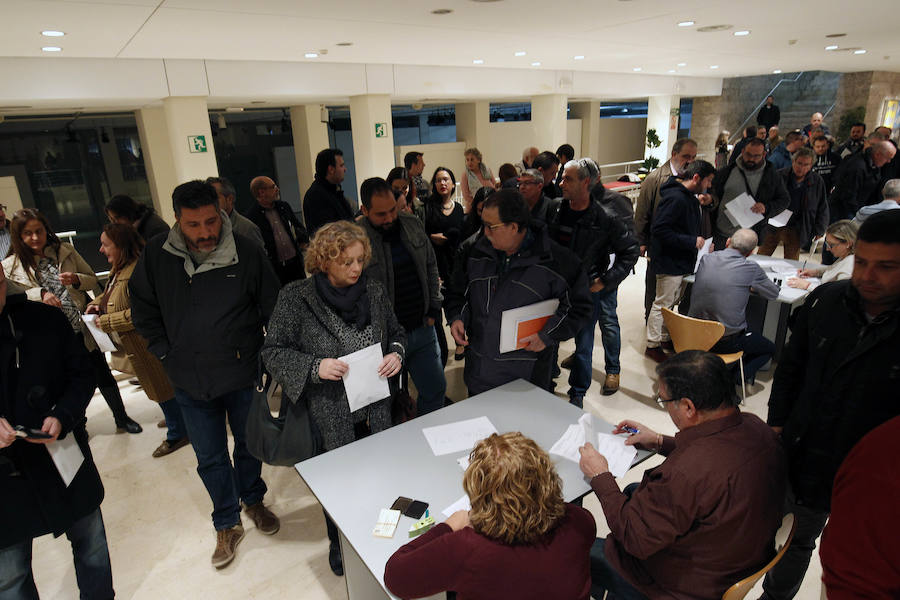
column 851, row 116
column 653, row 140
column 650, row 163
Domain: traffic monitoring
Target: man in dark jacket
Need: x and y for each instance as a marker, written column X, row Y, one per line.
column 769, row 115
column 676, row 238
column 835, row 382
column 854, row 143
column 754, row 175
column 45, row 386
column 514, row 265
column 608, row 253
column 808, row 205
column 617, row 205
column 827, row 161
column 403, row 261
column 749, row 134
column 781, row 155
column 324, row 201
column 282, row 232
column 857, row 182
column 200, row 297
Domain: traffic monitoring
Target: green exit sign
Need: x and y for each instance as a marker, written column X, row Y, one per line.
column 380, row 130
column 197, row 143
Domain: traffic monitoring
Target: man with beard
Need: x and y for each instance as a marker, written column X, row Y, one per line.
column 200, row 297
column 856, row 141
column 403, row 261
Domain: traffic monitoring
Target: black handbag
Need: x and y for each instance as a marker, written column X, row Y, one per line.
column 286, row 439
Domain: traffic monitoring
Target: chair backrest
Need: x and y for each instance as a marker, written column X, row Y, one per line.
column 739, row 590
column 689, row 333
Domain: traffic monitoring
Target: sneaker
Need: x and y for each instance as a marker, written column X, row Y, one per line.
column 568, row 362
column 611, row 384
column 168, row 447
column 264, row 519
column 226, row 544
column 657, row 354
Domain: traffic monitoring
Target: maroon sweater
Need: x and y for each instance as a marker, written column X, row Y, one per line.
column 475, row 566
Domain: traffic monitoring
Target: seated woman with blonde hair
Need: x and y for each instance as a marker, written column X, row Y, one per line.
column 519, row 540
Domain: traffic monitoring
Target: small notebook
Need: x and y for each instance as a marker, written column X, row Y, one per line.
column 387, row 523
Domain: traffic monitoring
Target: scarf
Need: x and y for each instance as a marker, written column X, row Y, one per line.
column 47, row 275
column 351, row 303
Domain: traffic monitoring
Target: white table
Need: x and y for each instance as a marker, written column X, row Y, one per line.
column 354, row 482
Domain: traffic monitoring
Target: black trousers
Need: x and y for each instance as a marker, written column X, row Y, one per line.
column 289, row 270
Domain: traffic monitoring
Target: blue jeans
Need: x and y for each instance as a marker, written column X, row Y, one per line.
column 174, row 421
column 604, row 578
column 92, row 569
column 605, row 304
column 226, row 485
column 423, row 361
column 757, row 349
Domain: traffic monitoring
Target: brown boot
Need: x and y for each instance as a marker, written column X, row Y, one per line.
column 264, row 519
column 611, row 384
column 226, row 544
column 168, row 447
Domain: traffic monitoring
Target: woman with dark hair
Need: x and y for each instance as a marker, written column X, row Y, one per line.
column 52, row 272
column 519, row 539
column 404, row 193
column 473, row 225
column 509, row 177
column 122, row 246
column 124, row 209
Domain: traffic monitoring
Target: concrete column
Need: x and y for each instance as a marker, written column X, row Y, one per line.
column 170, row 140
column 589, row 113
column 310, row 137
column 373, row 135
column 662, row 115
column 472, row 122
column 548, row 117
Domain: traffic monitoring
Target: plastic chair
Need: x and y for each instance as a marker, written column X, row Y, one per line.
column 688, row 333
column 739, row 590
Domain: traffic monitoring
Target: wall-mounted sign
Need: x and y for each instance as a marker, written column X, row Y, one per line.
column 197, row 143
column 380, row 130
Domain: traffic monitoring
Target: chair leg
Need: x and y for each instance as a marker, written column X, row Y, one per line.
column 743, row 382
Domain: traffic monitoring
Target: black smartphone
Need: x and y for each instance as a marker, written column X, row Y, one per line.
column 416, row 509
column 401, row 503
column 28, row 432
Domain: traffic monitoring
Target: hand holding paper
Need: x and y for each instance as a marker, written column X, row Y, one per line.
column 363, row 383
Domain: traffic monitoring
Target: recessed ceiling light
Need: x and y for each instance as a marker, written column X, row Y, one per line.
column 831, row 47
column 535, row 64
column 636, row 69
column 681, row 65
column 52, row 33
column 344, row 44
column 713, row 66
column 741, row 33
column 520, row 53
column 477, row 61
column 777, row 71
column 442, row 11
column 579, row 57
column 686, row 24
column 51, row 49
column 671, row 70
column 311, row 55
column 860, row 51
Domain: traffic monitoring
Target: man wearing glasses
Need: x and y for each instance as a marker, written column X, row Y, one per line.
column 531, row 186
column 711, row 509
column 4, row 233
column 282, row 232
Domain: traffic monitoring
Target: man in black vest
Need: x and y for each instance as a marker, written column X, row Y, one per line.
column 283, row 234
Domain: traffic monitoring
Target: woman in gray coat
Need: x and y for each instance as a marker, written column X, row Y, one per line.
column 336, row 311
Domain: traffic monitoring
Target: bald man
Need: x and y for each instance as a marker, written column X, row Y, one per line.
column 283, row 233
column 815, row 121
column 858, row 180
column 527, row 162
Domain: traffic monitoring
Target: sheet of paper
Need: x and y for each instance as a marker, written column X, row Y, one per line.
column 573, row 438
column 463, row 461
column 707, row 246
column 67, row 457
column 458, row 436
column 511, row 321
column 739, row 211
column 363, row 383
column 781, row 219
column 461, row 504
column 104, row 342
column 776, row 265
column 618, row 455
column 387, row 523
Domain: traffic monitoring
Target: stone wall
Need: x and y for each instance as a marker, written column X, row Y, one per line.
column 706, row 123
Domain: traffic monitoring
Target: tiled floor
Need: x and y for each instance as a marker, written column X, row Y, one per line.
column 157, row 511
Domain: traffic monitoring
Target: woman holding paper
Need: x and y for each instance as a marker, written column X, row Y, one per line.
column 122, row 245
column 52, row 272
column 317, row 321
column 519, row 539
column 840, row 238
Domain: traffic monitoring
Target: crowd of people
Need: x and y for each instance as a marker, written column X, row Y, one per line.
column 195, row 309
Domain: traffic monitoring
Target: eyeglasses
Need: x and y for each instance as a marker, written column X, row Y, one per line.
column 490, row 227
column 837, row 243
column 530, row 182
column 662, row 401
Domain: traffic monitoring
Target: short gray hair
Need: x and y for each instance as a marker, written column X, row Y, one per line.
column 744, row 241
column 593, row 167
column 803, row 152
column 581, row 168
column 533, row 174
column 891, row 190
column 227, row 187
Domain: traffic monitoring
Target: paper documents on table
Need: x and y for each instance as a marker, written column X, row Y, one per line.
column 458, row 436
column 67, row 457
column 387, row 523
column 775, row 265
column 363, row 383
column 574, row 438
column 519, row 323
column 707, row 246
column 461, row 504
column 104, row 342
column 739, row 211
column 617, row 454
column 781, row 219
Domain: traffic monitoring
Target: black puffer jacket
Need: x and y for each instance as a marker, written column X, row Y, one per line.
column 44, row 371
column 837, row 379
column 857, row 183
column 813, row 216
column 676, row 227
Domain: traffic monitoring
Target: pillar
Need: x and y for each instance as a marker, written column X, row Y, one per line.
column 589, row 113
column 177, row 144
column 662, row 115
column 548, row 117
column 310, row 137
column 472, row 122
column 373, row 135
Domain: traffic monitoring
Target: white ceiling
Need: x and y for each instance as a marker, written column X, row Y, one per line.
column 613, row 35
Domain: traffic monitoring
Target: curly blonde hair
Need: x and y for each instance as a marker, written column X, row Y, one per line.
column 330, row 241
column 514, row 490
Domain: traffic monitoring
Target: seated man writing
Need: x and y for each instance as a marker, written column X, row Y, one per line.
column 707, row 516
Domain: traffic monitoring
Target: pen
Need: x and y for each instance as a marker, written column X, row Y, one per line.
column 630, row 429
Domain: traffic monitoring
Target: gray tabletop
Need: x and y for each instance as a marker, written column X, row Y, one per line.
column 356, row 481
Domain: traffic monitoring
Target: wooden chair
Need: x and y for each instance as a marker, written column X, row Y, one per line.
column 739, row 590
column 688, row 333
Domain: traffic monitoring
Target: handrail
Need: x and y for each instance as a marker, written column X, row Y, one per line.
column 739, row 133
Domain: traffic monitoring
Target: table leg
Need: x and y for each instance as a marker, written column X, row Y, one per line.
column 361, row 584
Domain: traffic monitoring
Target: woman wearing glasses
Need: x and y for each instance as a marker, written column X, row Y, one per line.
column 840, row 238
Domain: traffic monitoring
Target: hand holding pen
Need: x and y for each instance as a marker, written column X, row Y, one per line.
column 638, row 434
